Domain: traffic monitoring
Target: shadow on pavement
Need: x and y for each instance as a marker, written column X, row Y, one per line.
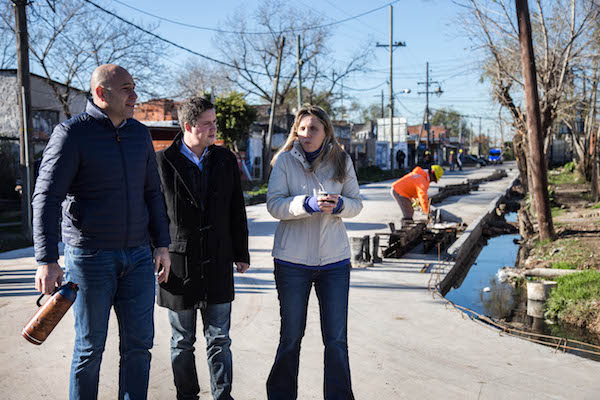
column 363, row 226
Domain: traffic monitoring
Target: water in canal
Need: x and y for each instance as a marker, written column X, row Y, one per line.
column 483, row 292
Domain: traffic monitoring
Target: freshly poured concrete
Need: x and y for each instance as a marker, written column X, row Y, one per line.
column 404, row 342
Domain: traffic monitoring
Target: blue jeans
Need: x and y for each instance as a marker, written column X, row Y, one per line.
column 123, row 279
column 293, row 289
column 216, row 320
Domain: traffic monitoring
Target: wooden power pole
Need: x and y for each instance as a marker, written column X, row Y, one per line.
column 391, row 46
column 267, row 149
column 24, row 96
column 299, row 71
column 537, row 164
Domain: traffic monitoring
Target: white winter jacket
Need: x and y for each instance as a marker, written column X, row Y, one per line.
column 302, row 237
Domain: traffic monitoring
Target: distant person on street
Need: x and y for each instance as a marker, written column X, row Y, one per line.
column 102, row 161
column 400, row 156
column 428, row 160
column 415, row 186
column 207, row 222
column 452, row 160
column 459, row 159
column 311, row 188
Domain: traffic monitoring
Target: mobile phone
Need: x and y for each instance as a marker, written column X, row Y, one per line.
column 324, row 194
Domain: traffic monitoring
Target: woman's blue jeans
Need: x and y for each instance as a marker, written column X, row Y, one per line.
column 293, row 289
column 216, row 321
column 123, row 279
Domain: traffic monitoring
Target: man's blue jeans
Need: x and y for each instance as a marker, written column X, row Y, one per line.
column 123, row 279
column 216, row 320
column 293, row 288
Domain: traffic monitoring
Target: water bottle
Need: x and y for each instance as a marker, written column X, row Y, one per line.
column 49, row 314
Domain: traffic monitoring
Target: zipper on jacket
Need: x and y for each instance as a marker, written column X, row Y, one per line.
column 126, row 238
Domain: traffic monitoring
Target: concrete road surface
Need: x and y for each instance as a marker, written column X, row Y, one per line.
column 404, row 342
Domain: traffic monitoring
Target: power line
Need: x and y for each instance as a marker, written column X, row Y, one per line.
column 464, row 115
column 363, row 90
column 253, row 33
column 168, row 41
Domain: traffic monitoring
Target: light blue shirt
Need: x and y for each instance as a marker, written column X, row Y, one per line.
column 192, row 156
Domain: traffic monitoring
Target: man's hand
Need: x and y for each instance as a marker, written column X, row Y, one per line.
column 48, row 277
column 242, row 266
column 162, row 257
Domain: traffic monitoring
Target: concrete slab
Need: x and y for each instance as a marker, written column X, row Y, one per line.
column 404, row 343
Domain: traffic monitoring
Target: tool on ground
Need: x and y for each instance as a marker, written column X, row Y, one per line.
column 50, row 313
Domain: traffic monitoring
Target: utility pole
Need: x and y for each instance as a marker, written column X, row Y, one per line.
column 267, row 149
column 299, row 69
column 24, row 96
column 479, row 140
column 537, row 163
column 471, row 138
column 438, row 91
column 382, row 108
column 460, row 131
column 391, row 50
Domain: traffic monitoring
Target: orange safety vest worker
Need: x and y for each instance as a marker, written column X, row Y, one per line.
column 414, row 185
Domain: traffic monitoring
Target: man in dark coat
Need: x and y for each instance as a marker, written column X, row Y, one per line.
column 209, row 232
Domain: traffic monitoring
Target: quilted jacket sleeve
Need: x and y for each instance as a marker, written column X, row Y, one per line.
column 280, row 203
column 159, row 222
column 350, row 193
column 57, row 171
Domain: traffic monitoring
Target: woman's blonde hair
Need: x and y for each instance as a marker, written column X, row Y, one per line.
column 331, row 151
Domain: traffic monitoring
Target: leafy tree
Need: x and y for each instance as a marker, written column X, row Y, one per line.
column 371, row 112
column 234, row 117
column 451, row 120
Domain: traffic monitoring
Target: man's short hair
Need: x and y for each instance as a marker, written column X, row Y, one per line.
column 190, row 110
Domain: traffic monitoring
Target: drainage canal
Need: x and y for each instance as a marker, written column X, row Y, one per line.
column 481, row 291
column 486, row 291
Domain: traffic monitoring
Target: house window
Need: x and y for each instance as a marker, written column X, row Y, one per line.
column 44, row 122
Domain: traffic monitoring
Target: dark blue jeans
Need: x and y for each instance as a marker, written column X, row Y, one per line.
column 216, row 320
column 293, row 289
column 123, row 279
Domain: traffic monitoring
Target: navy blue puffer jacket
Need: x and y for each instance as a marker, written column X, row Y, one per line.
column 107, row 181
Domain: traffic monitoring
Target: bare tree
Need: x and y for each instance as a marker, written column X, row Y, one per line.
column 68, row 40
column 7, row 38
column 198, row 77
column 254, row 56
column 560, row 36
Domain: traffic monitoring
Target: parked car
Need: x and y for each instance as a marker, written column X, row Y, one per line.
column 471, row 160
column 495, row 156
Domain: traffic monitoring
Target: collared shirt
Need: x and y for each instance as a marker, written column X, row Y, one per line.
column 192, row 156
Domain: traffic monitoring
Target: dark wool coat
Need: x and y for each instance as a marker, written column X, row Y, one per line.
column 207, row 223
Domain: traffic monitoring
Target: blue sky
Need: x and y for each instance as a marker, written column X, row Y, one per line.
column 430, row 29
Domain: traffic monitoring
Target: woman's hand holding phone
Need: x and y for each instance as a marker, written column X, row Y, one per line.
column 327, row 202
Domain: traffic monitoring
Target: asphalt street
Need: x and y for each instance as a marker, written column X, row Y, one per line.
column 404, row 342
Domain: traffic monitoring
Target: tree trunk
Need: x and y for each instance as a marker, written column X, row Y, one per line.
column 595, row 168
column 539, row 176
column 521, row 156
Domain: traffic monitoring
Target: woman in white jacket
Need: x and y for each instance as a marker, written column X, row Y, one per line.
column 311, row 188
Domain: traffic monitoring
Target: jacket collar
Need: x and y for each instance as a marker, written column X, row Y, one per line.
column 95, row 112
column 174, row 150
column 177, row 161
column 298, row 153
